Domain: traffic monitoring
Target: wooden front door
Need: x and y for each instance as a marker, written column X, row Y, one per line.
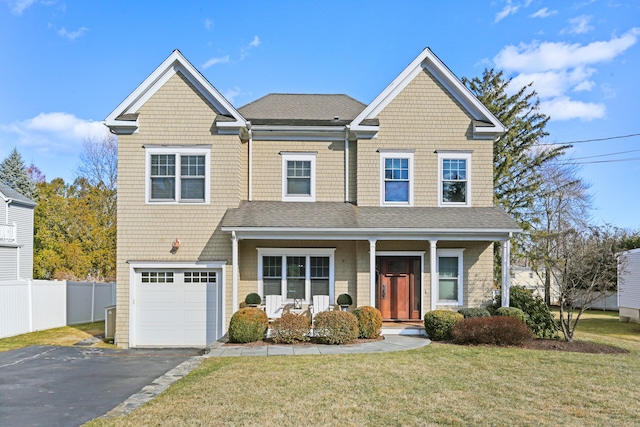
column 396, row 288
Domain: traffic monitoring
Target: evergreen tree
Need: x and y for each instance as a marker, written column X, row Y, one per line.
column 517, row 174
column 14, row 173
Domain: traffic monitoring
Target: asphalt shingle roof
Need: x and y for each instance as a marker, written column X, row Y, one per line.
column 333, row 215
column 282, row 108
column 14, row 195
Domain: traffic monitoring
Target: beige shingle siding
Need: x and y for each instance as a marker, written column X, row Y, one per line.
column 425, row 118
column 267, row 168
column 175, row 115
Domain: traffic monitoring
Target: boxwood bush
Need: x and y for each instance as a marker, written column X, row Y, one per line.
column 474, row 312
column 496, row 330
column 438, row 323
column 369, row 321
column 253, row 299
column 511, row 312
column 248, row 324
column 290, row 328
column 336, row 327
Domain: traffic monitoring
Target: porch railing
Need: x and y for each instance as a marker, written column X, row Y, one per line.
column 8, row 233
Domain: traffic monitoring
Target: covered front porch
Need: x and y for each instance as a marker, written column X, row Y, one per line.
column 403, row 261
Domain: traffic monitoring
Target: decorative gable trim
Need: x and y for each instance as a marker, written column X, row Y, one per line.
column 485, row 124
column 124, row 119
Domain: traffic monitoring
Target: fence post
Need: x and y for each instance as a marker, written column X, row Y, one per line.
column 30, row 297
column 93, row 300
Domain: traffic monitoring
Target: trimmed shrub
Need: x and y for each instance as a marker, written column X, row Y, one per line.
column 336, row 327
column 496, row 330
column 248, row 324
column 290, row 328
column 253, row 299
column 344, row 299
column 539, row 320
column 369, row 321
column 474, row 312
column 511, row 312
column 438, row 323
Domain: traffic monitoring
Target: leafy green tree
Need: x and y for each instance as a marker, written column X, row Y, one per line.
column 14, row 173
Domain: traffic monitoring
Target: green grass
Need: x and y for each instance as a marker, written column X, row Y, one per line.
column 65, row 336
column 441, row 384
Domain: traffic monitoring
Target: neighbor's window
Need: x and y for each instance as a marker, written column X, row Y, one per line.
column 178, row 175
column 450, row 276
column 454, row 178
column 396, row 172
column 298, row 177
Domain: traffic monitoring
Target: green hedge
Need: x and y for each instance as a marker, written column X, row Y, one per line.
column 438, row 324
column 369, row 321
column 248, row 325
column 336, row 327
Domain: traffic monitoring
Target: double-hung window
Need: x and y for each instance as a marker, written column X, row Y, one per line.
column 396, row 177
column 450, row 276
column 454, row 178
column 296, row 273
column 298, row 177
column 177, row 174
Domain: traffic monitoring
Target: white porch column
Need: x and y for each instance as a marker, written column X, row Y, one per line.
column 506, row 271
column 433, row 259
column 372, row 272
column 234, row 272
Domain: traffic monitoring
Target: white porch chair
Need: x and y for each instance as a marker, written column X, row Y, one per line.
column 273, row 306
column 320, row 304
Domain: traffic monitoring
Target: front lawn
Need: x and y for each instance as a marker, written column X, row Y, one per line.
column 64, row 336
column 441, row 384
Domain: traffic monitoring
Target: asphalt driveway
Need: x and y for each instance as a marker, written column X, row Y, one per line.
column 68, row 386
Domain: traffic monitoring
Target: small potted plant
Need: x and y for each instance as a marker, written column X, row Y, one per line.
column 253, row 299
column 344, row 301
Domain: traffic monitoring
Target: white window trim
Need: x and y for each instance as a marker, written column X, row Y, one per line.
column 300, row 157
column 445, row 155
column 396, row 154
column 178, row 151
column 298, row 252
column 450, row 253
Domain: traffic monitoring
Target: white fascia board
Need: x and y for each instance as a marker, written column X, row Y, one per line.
column 176, row 62
column 177, row 264
column 429, row 61
column 297, row 133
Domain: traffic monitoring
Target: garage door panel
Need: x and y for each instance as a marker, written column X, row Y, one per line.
column 152, row 317
column 197, row 296
column 157, row 295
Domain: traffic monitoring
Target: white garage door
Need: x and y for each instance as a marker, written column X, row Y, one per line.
column 177, row 308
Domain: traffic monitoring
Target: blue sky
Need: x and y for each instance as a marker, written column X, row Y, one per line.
column 67, row 65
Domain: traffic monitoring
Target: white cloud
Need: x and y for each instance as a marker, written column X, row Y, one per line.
column 230, row 94
column 19, row 6
column 208, row 23
column 509, row 9
column 549, row 84
column 586, row 85
column 557, row 55
column 214, row 61
column 579, row 25
column 564, row 108
column 53, row 132
column 255, row 42
column 544, row 13
column 72, row 35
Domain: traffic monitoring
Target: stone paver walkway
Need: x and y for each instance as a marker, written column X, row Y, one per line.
column 217, row 349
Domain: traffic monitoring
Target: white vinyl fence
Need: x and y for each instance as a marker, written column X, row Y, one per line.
column 33, row 305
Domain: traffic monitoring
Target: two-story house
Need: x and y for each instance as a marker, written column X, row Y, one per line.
column 16, row 234
column 300, row 195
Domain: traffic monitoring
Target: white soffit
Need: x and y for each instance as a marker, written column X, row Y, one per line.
column 176, row 62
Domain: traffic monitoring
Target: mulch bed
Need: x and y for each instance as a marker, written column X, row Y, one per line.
column 573, row 346
column 313, row 341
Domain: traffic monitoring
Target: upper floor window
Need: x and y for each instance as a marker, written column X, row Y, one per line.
column 299, row 177
column 396, row 178
column 177, row 175
column 454, row 178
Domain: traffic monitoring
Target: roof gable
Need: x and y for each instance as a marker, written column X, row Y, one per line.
column 485, row 124
column 9, row 194
column 124, row 119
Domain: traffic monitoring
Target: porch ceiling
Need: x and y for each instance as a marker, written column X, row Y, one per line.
column 344, row 221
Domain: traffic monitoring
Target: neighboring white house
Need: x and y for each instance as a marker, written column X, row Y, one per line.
column 16, row 234
column 629, row 287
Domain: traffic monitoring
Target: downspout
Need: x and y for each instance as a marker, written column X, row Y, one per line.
column 346, row 164
column 250, row 147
